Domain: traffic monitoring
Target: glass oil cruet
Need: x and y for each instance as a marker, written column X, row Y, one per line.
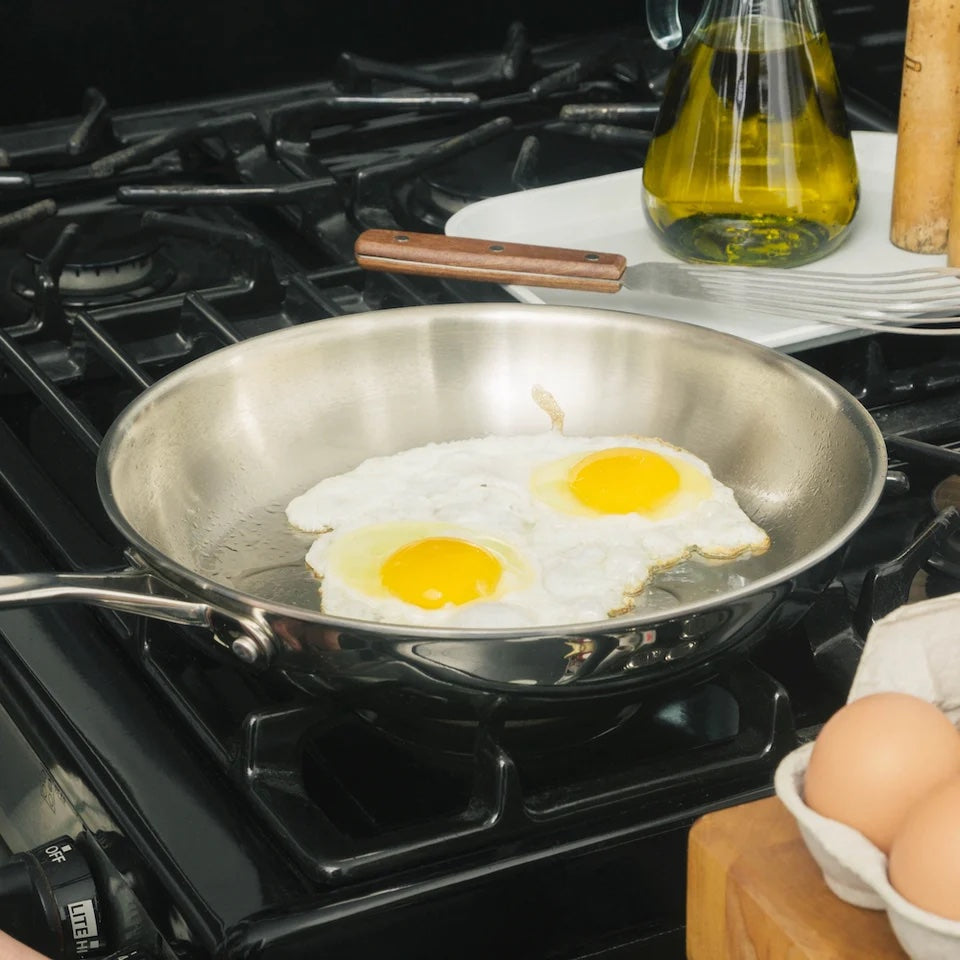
column 751, row 160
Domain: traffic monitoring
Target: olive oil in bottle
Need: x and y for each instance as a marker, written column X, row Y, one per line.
column 751, row 161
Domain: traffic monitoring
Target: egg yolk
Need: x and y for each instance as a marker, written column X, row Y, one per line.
column 435, row 571
column 623, row 480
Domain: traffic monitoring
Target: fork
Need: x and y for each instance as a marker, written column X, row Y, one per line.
column 890, row 302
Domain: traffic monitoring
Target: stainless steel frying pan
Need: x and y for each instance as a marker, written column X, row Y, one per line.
column 197, row 471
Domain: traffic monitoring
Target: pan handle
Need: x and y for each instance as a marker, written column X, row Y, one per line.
column 138, row 592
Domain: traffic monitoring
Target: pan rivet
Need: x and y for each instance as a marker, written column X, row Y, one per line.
column 496, row 248
column 592, row 257
column 245, row 649
column 401, row 238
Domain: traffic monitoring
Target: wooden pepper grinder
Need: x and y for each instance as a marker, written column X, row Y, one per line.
column 953, row 236
column 929, row 127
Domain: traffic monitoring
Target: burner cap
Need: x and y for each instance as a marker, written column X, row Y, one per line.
column 82, row 279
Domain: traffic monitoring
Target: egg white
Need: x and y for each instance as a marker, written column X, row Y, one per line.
column 557, row 582
column 569, row 565
column 350, row 564
column 702, row 518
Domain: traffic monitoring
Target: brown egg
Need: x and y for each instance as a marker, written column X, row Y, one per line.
column 924, row 865
column 875, row 758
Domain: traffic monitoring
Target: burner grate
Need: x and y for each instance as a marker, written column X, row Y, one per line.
column 415, row 801
column 430, row 790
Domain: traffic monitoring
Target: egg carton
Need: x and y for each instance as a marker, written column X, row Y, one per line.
column 856, row 871
column 915, row 650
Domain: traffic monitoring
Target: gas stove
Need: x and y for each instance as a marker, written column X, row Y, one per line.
column 161, row 799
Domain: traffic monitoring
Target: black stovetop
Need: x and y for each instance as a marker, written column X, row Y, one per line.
column 224, row 814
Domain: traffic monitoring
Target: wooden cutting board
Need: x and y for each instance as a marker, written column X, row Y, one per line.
column 755, row 893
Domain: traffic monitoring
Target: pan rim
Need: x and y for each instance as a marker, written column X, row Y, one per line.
column 228, row 598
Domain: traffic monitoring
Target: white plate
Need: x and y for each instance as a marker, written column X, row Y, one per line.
column 605, row 213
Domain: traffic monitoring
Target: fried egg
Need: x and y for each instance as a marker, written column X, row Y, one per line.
column 669, row 497
column 514, row 531
column 429, row 573
column 415, row 572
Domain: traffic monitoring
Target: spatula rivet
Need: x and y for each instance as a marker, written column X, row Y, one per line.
column 496, row 248
column 401, row 238
column 592, row 257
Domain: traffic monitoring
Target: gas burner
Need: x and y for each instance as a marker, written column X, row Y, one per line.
column 96, row 279
column 113, row 260
column 489, row 170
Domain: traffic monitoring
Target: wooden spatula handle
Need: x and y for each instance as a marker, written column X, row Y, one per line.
column 436, row 255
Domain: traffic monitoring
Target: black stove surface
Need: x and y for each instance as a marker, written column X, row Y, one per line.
column 223, row 813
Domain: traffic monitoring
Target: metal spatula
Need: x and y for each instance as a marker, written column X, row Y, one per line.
column 886, row 301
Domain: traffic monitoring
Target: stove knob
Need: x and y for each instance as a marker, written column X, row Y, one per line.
column 49, row 901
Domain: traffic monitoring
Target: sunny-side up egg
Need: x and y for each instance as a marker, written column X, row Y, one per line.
column 669, row 498
column 556, row 510
column 417, row 572
column 430, row 573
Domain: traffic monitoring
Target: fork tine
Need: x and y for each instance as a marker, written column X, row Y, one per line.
column 915, row 286
column 822, row 307
column 923, row 301
column 914, row 275
column 907, row 300
column 881, row 306
column 883, row 327
column 929, row 282
column 891, row 297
